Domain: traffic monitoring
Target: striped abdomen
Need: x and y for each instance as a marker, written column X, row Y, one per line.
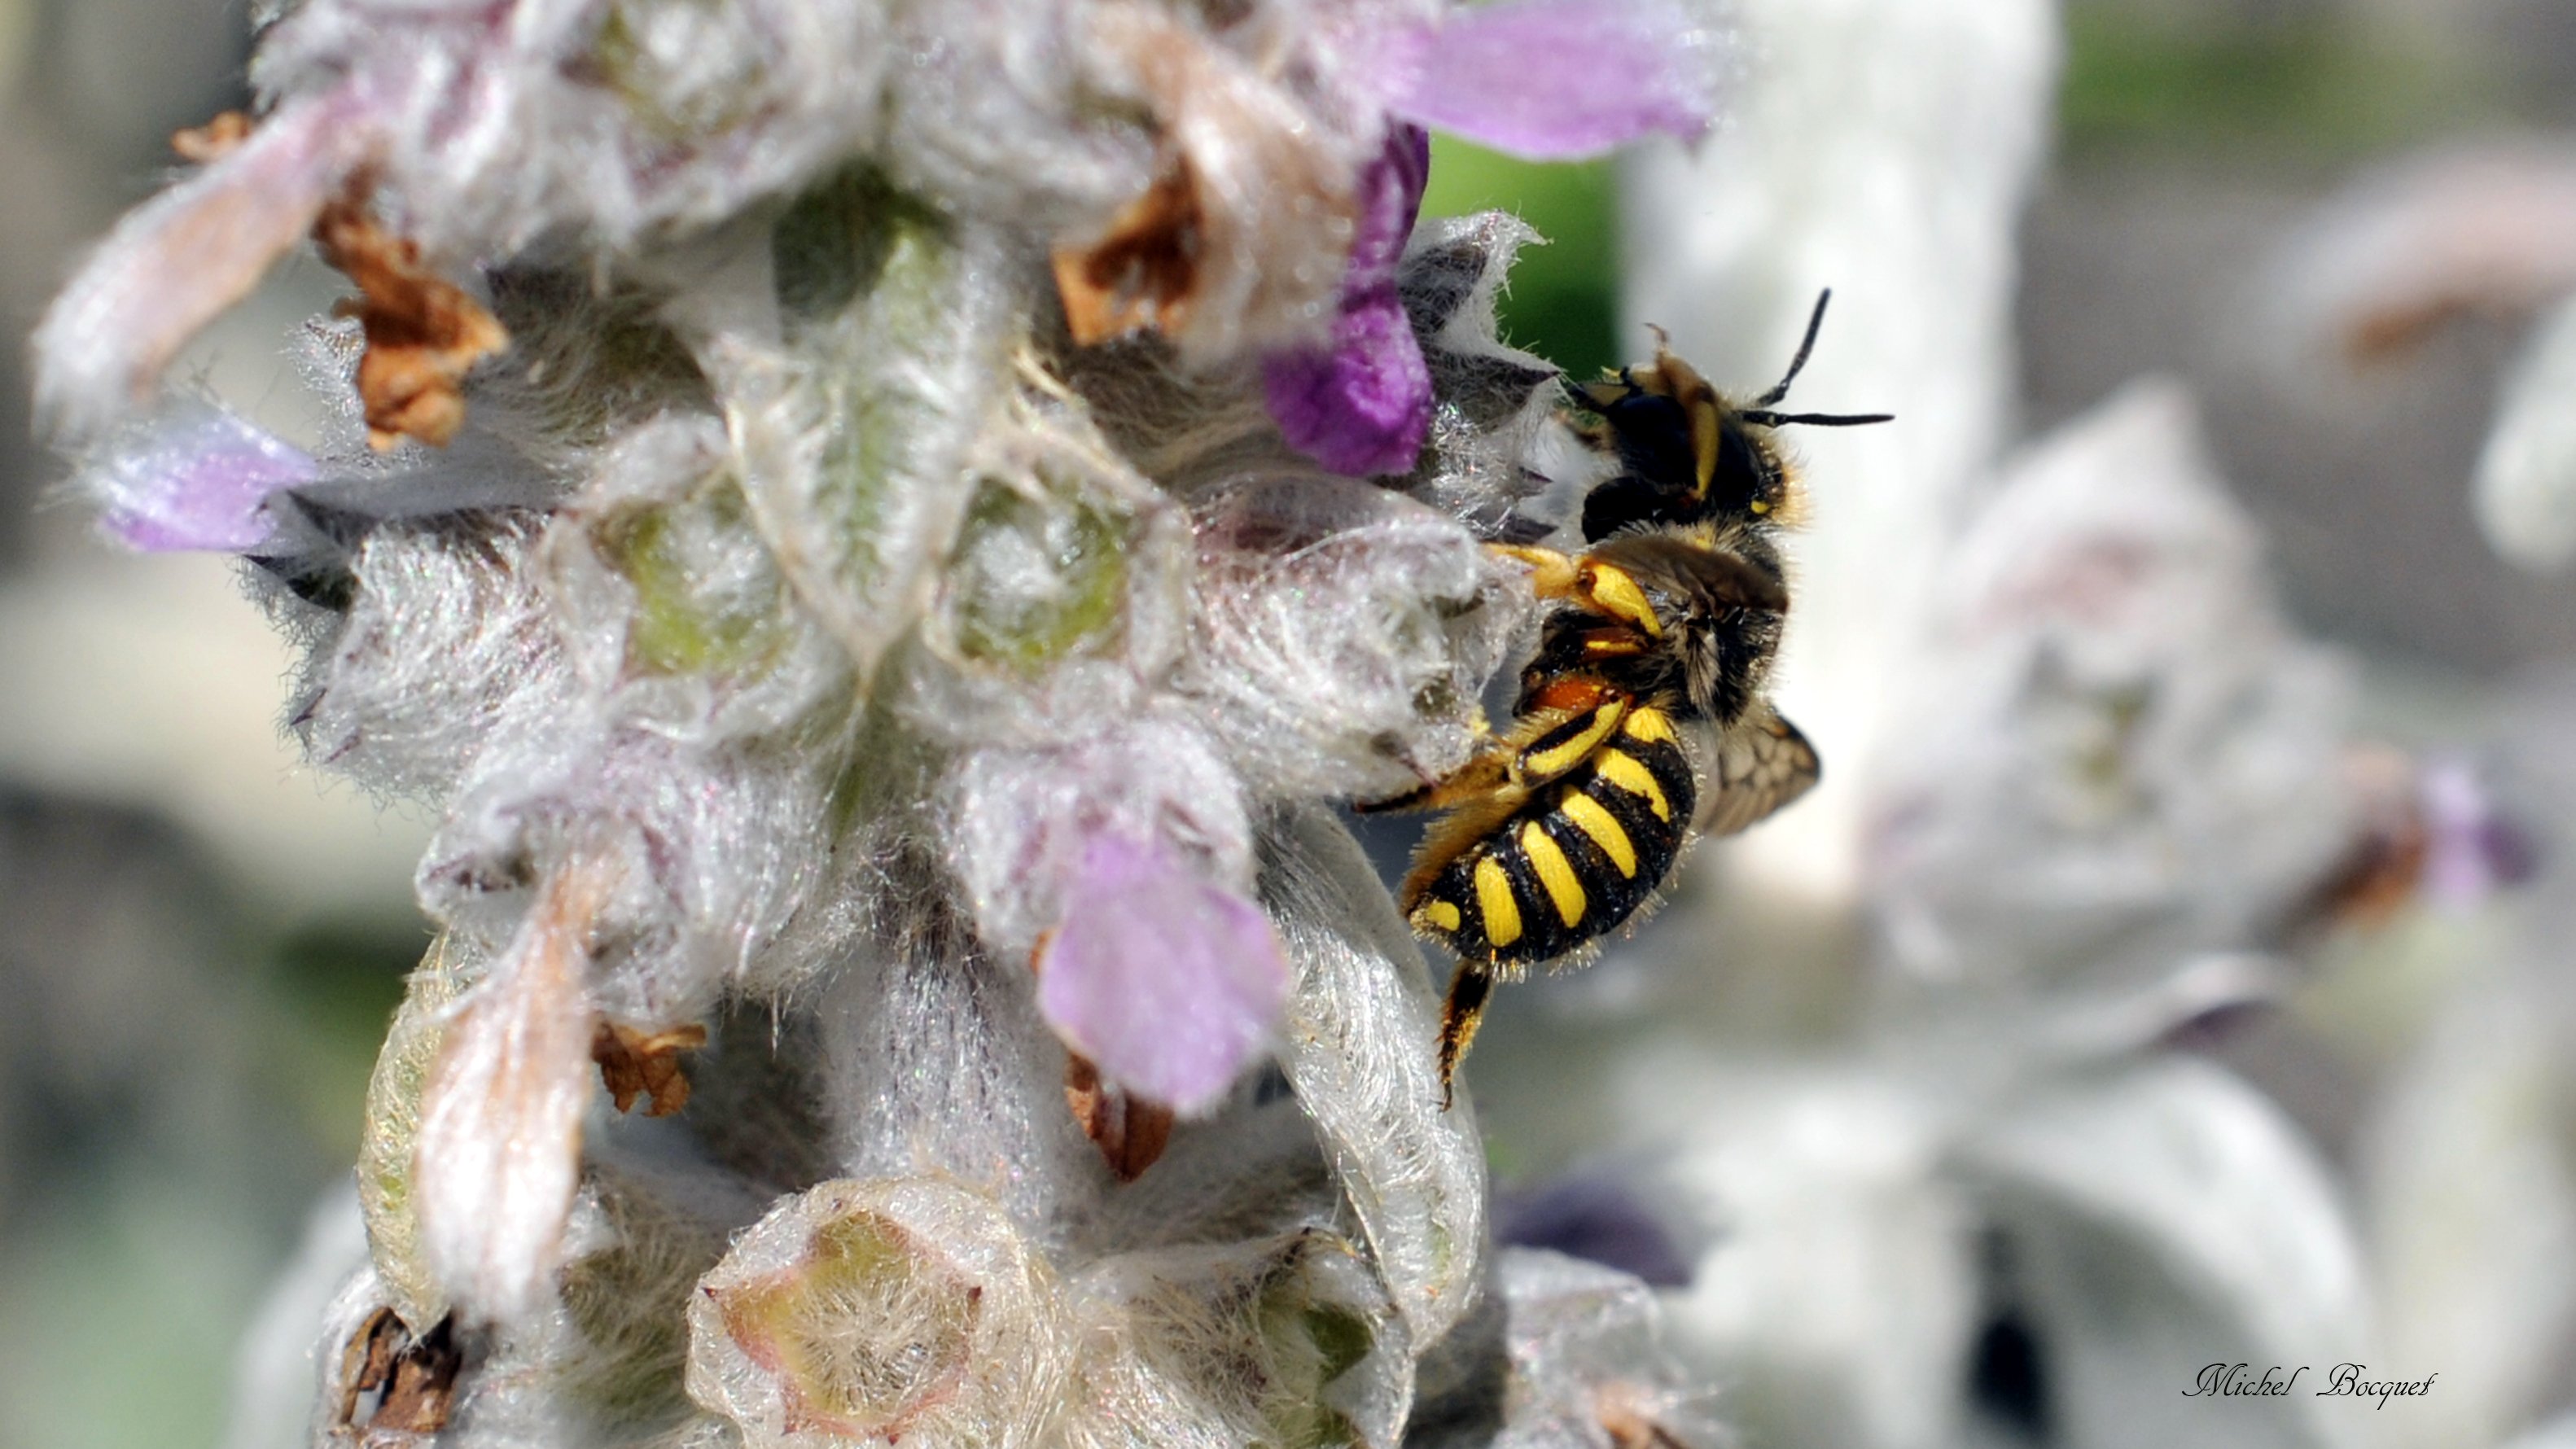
column 1573, row 863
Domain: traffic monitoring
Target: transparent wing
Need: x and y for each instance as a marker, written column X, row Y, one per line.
column 1756, row 767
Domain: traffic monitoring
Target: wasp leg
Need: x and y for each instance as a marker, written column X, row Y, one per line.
column 1568, row 720
column 1551, row 573
column 1459, row 1018
column 1603, row 588
column 1480, row 777
column 1415, row 799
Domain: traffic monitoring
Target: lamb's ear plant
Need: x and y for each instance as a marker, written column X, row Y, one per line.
column 879, row 527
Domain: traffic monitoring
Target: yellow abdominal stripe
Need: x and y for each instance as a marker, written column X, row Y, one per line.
column 1494, row 899
column 1653, row 726
column 1604, row 828
column 1622, row 769
column 1440, row 915
column 1557, row 759
column 1555, row 872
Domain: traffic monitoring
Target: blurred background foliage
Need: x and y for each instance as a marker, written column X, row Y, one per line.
column 2289, row 84
column 202, row 945
column 1564, row 299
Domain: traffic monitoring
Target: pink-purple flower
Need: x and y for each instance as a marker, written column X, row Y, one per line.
column 1362, row 404
column 1168, row 983
column 1542, row 79
column 2472, row 848
column 196, row 478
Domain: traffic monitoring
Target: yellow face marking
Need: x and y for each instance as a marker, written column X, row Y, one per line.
column 1623, row 770
column 1556, row 759
column 1494, row 898
column 1759, row 506
column 1653, row 726
column 1613, row 592
column 1704, row 443
column 1555, row 872
column 1604, row 828
column 1438, row 915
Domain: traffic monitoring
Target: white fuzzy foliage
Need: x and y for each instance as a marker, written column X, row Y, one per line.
column 853, row 452
column 2124, row 756
column 497, row 1157
column 2163, row 1217
column 1588, row 1363
column 1328, row 1360
column 445, row 639
column 490, row 128
column 2465, row 1157
column 885, row 1308
column 940, row 1066
column 1344, row 633
column 1022, row 816
column 2526, row 476
column 1586, row 1367
column 668, row 115
column 1494, row 427
column 604, row 1364
column 1859, row 1212
column 2467, row 1168
column 1360, row 1032
column 797, row 634
column 1835, row 1286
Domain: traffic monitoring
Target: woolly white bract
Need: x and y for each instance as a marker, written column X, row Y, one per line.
column 846, row 534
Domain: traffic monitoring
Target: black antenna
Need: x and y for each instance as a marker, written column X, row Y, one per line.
column 1797, row 364
column 1815, row 420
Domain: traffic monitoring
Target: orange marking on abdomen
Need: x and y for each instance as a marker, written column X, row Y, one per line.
column 1574, row 696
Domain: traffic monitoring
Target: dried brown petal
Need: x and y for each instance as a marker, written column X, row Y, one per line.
column 1629, row 1423
column 414, row 1379
column 423, row 332
column 214, row 140
column 2382, row 865
column 1240, row 243
column 1130, row 1132
column 636, row 1064
column 1143, row 274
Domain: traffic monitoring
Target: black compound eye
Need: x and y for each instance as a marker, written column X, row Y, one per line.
column 1656, row 468
column 1624, row 502
column 1654, row 438
column 1742, row 474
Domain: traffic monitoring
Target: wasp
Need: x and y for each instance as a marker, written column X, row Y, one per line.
column 1642, row 720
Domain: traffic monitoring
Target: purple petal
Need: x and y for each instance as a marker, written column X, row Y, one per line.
column 1363, row 406
column 1553, row 79
column 1169, row 984
column 1389, row 193
column 198, row 479
column 2472, row 850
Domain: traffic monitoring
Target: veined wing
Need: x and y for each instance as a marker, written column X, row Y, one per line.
column 1754, row 768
